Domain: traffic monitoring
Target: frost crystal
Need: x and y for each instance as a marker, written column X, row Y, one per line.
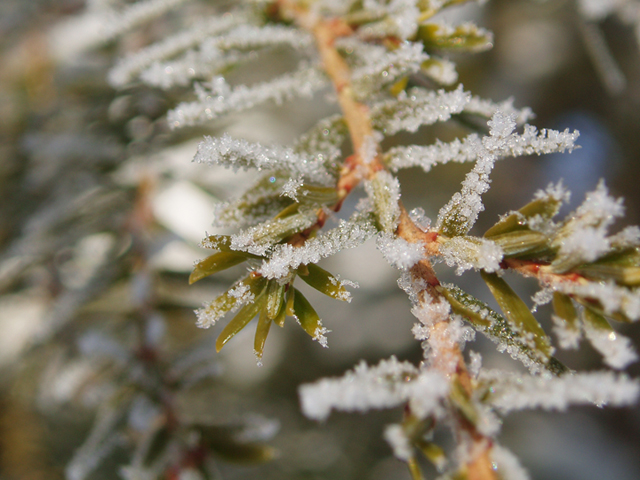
column 398, row 252
column 616, row 349
column 419, row 218
column 290, row 189
column 235, row 153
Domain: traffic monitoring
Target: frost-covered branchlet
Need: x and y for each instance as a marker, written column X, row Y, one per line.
column 379, row 57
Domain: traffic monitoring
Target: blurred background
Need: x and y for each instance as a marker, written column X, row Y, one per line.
column 101, row 212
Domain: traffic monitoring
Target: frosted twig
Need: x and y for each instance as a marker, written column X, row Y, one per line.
column 237, row 153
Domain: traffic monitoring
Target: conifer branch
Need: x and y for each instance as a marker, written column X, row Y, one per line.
column 357, row 168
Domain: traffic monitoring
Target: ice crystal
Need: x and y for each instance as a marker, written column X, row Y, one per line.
column 291, row 187
column 236, row 153
column 398, row 252
column 304, row 82
column 419, row 218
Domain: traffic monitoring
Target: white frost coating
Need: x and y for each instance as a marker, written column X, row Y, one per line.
column 238, row 153
column 467, row 204
column 613, row 298
column 508, row 465
column 396, row 438
column 439, row 350
column 471, row 253
column 430, row 312
column 117, row 23
column 486, row 108
column 584, row 238
column 512, row 392
column 599, row 207
column 369, row 148
column 627, row 237
column 616, row 349
column 475, row 363
column 398, row 18
column 398, row 252
column 259, row 239
column 555, row 191
column 389, row 384
column 418, row 107
column 319, row 336
column 541, row 297
column 348, row 234
column 439, row 153
column 465, row 29
column 440, row 70
column 211, row 312
column 304, row 82
column 383, row 67
column 129, row 66
column 468, row 149
column 384, row 191
column 568, row 335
